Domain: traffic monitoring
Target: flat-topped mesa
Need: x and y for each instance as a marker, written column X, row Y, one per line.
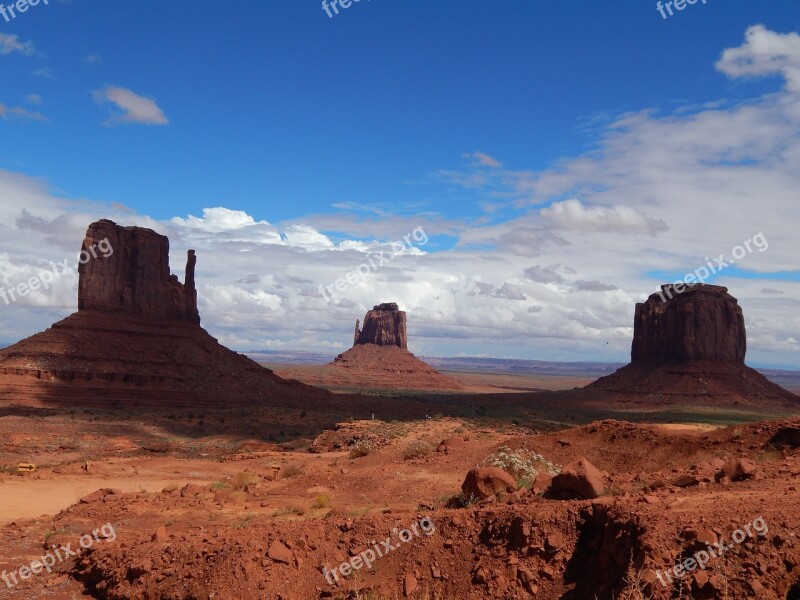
column 132, row 275
column 700, row 323
column 384, row 325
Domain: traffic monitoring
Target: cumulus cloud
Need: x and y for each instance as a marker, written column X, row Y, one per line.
column 224, row 224
column 594, row 286
column 764, row 53
column 134, row 108
column 307, row 237
column 509, row 291
column 543, row 274
column 656, row 195
column 573, row 214
column 11, row 43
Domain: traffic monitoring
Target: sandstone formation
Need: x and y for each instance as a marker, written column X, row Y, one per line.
column 689, row 345
column 704, row 322
column 384, row 325
column 579, row 479
column 135, row 339
column 379, row 358
column 482, row 482
column 134, row 278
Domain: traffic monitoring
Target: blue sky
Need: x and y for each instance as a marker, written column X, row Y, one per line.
column 478, row 122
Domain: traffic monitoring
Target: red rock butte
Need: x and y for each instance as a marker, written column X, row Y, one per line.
column 136, row 339
column 690, row 344
column 380, row 358
column 384, row 325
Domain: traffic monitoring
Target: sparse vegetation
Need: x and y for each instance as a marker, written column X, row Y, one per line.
column 291, row 470
column 417, row 449
column 53, row 532
column 297, row 511
column 362, row 448
column 768, row 456
column 523, row 465
column 243, row 523
column 321, row 501
column 462, row 500
column 245, row 479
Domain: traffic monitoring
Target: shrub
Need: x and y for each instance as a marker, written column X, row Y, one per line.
column 291, row 470
column 417, row 449
column 361, row 448
column 461, row 500
column 523, row 465
column 321, row 501
column 289, row 510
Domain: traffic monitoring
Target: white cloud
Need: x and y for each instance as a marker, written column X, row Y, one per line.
column 44, row 73
column 484, row 160
column 11, row 43
column 224, row 224
column 135, row 108
column 573, row 214
column 543, row 274
column 34, row 99
column 17, row 113
column 764, row 53
column 307, row 237
column 594, row 286
column 659, row 193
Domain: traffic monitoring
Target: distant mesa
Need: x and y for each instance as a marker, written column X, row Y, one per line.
column 136, row 339
column 704, row 322
column 691, row 344
column 384, row 325
column 380, row 358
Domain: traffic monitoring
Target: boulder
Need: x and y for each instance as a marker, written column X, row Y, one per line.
column 483, row 482
column 449, row 444
column 579, row 479
column 279, row 553
column 738, row 469
column 541, row 483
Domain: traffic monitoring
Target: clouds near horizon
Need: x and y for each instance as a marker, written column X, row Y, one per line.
column 551, row 270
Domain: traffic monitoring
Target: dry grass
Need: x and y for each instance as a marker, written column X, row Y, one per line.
column 244, row 479
column 321, row 501
column 291, row 470
column 417, row 449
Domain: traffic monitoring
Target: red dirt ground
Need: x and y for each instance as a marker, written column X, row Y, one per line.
column 217, row 537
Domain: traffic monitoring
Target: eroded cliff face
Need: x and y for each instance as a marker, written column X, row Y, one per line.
column 690, row 346
column 384, row 325
column 704, row 322
column 134, row 277
column 136, row 339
